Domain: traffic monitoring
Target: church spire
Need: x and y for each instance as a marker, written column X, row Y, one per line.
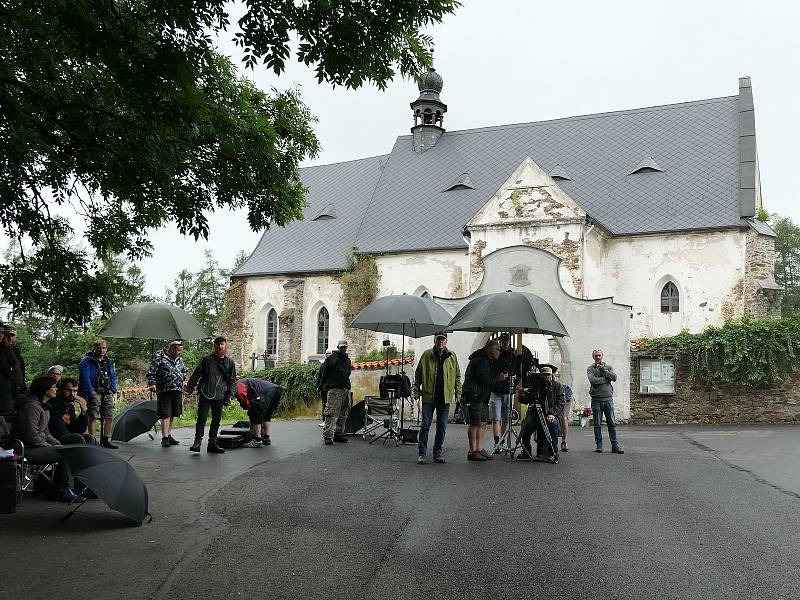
column 428, row 112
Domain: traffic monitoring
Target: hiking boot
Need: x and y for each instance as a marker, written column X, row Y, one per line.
column 439, row 459
column 598, row 449
column 486, row 455
column 338, row 437
column 213, row 447
column 173, row 441
column 564, row 447
column 266, row 440
column 253, row 444
column 328, row 441
column 476, row 456
column 196, row 446
column 165, row 442
column 421, row 460
column 106, row 443
column 617, row 450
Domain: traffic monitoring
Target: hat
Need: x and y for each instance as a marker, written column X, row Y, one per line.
column 341, row 344
column 58, row 368
column 10, row 329
column 504, row 337
column 439, row 334
column 545, row 370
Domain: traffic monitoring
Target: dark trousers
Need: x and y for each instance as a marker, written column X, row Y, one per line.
column 323, row 394
column 442, row 410
column 203, row 406
column 531, row 424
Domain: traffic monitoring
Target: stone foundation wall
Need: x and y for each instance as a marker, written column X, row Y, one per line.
column 760, row 266
column 778, row 404
column 290, row 323
column 232, row 325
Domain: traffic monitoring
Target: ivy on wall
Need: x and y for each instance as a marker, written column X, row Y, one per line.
column 359, row 286
column 743, row 352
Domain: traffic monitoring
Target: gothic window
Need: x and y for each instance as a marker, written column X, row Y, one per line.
column 670, row 301
column 323, row 325
column 272, row 332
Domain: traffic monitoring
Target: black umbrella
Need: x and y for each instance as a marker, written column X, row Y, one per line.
column 134, row 420
column 516, row 312
column 110, row 477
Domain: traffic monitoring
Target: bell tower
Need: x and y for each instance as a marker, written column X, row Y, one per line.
column 428, row 112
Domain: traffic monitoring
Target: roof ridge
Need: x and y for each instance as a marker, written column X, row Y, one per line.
column 586, row 117
column 343, row 162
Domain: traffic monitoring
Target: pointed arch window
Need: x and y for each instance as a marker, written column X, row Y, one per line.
column 323, row 327
column 670, row 298
column 272, row 332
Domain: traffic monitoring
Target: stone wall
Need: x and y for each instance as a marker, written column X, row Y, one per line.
column 760, row 302
column 778, row 404
column 233, row 323
column 290, row 323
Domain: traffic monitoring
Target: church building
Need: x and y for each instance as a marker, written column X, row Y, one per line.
column 634, row 223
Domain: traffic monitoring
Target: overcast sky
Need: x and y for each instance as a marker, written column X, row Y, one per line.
column 511, row 61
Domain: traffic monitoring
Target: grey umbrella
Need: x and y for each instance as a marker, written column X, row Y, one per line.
column 516, row 312
column 403, row 314
column 112, row 479
column 135, row 419
column 153, row 321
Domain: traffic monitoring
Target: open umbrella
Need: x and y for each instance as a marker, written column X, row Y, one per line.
column 110, row 477
column 153, row 321
column 516, row 312
column 403, row 314
column 134, row 420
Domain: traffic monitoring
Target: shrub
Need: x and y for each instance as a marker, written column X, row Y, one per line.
column 300, row 383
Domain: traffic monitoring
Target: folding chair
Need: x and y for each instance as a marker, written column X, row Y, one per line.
column 381, row 412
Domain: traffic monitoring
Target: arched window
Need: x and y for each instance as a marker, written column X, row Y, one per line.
column 323, row 325
column 272, row 332
column 670, row 299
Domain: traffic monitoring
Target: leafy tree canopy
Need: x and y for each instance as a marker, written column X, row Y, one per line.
column 122, row 112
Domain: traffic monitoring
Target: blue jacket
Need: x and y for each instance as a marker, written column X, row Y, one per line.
column 88, row 369
column 63, row 419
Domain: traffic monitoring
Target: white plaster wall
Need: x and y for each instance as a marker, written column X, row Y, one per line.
column 440, row 273
column 707, row 267
column 262, row 293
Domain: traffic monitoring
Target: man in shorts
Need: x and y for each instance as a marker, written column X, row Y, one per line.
column 97, row 383
column 259, row 398
column 478, row 382
column 165, row 377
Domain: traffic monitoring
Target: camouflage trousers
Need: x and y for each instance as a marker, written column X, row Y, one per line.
column 336, row 410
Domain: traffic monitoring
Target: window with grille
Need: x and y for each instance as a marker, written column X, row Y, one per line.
column 323, row 325
column 272, row 332
column 670, row 301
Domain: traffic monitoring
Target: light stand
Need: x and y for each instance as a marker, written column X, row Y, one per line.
column 510, row 434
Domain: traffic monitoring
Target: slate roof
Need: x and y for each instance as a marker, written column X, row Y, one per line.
column 402, row 207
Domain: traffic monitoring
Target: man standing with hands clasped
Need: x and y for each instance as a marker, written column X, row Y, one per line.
column 601, row 390
column 165, row 377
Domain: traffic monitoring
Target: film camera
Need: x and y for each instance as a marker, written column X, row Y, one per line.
column 535, row 388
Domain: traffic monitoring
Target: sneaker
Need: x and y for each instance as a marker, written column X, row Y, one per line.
column 67, row 495
column 266, row 441
column 340, row 438
column 253, row 444
column 617, row 450
column 173, row 441
column 564, row 448
column 476, row 456
column 486, row 455
column 598, row 449
column 421, row 460
column 439, row 459
column 165, row 442
column 328, row 441
column 321, row 424
column 498, row 448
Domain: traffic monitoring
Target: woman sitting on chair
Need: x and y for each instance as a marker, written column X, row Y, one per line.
column 33, row 416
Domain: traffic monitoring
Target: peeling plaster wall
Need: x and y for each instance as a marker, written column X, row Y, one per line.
column 707, row 267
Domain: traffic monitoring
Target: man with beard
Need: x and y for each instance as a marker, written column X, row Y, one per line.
column 215, row 380
column 97, row 381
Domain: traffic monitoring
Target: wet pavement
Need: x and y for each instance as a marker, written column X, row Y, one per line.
column 687, row 512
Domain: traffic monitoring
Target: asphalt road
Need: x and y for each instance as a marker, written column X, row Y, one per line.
column 687, row 512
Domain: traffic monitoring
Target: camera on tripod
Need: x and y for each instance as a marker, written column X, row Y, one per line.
column 535, row 388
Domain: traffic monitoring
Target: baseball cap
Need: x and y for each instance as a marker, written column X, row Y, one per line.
column 545, row 370
column 439, row 334
column 341, row 344
column 58, row 368
column 505, row 337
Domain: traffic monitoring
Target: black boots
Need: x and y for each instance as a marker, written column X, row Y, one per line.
column 106, row 443
column 213, row 447
column 196, row 446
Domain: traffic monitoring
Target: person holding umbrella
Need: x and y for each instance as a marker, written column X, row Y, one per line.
column 165, row 377
column 97, row 382
column 215, row 379
column 439, row 378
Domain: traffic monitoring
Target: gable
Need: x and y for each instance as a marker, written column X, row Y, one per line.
column 529, row 196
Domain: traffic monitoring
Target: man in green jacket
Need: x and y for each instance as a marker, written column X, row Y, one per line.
column 437, row 380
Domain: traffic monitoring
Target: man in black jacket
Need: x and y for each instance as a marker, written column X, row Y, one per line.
column 551, row 400
column 334, row 377
column 478, row 383
column 215, row 379
column 12, row 370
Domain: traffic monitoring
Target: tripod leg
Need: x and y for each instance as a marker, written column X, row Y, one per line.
column 545, row 428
